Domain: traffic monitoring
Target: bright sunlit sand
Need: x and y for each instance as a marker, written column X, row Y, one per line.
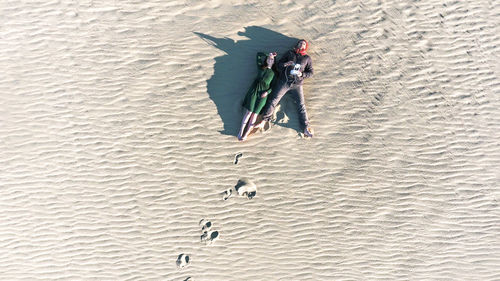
column 119, row 158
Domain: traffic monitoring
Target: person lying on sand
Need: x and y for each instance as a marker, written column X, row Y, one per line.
column 293, row 68
column 256, row 96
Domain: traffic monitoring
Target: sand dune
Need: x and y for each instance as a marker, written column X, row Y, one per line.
column 117, row 136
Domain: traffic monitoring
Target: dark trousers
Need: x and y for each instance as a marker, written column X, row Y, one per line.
column 279, row 90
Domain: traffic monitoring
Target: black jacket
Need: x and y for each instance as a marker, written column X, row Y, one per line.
column 305, row 62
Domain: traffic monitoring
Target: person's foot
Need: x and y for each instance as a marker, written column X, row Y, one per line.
column 267, row 126
column 308, row 132
column 260, row 125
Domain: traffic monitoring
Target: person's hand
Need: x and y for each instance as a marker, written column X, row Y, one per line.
column 288, row 63
column 263, row 95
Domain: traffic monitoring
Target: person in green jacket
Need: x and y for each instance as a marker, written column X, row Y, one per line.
column 256, row 96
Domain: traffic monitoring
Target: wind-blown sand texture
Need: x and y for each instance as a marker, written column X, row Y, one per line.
column 118, row 136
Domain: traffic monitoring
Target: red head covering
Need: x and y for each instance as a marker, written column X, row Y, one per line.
column 298, row 50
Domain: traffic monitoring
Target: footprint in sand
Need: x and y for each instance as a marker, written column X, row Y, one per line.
column 237, row 157
column 182, row 261
column 207, row 235
column 205, row 225
column 210, row 237
column 226, row 194
column 246, row 187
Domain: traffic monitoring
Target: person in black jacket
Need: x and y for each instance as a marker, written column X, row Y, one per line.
column 293, row 68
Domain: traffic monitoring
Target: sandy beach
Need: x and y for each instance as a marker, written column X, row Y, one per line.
column 118, row 124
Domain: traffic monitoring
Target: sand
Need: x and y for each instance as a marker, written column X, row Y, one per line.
column 118, row 136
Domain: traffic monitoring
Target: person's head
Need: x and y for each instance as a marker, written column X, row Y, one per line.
column 301, row 47
column 269, row 60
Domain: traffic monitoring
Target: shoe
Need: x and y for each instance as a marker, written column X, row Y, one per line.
column 267, row 126
column 260, row 125
column 308, row 132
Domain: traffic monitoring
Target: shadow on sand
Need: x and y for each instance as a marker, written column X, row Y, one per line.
column 235, row 71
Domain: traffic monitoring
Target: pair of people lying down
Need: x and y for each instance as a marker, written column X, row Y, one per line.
column 269, row 87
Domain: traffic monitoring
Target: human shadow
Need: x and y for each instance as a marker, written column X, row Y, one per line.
column 235, row 71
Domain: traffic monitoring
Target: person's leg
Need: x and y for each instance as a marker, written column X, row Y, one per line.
column 298, row 96
column 244, row 122
column 250, row 126
column 278, row 92
column 253, row 118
